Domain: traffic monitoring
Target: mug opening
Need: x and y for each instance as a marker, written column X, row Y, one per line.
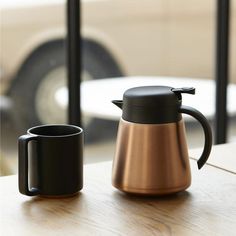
column 55, row 130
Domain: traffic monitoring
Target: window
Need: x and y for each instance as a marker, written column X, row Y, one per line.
column 169, row 40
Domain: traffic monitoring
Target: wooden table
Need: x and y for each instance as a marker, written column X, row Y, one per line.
column 207, row 208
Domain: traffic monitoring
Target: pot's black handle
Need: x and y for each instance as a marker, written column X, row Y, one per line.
column 23, row 165
column 207, row 132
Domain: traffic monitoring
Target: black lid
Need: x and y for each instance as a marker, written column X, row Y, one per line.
column 153, row 104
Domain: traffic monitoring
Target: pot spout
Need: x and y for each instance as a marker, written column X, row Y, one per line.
column 118, row 103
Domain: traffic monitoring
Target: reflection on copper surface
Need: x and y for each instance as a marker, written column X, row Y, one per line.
column 151, row 158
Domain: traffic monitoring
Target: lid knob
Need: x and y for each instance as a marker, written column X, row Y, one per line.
column 190, row 90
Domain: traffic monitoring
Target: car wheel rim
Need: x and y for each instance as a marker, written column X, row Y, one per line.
column 52, row 97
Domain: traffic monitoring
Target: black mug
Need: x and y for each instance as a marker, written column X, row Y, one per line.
column 55, row 166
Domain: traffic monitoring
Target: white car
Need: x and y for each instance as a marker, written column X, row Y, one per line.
column 120, row 38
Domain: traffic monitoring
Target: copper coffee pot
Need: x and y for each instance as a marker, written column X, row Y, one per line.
column 151, row 152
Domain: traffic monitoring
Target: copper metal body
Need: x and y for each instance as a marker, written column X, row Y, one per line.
column 151, row 159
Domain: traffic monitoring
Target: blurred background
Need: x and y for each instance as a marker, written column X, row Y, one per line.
column 119, row 38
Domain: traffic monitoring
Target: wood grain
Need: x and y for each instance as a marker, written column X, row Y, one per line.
column 207, row 208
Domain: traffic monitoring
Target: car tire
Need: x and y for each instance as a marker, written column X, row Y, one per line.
column 25, row 89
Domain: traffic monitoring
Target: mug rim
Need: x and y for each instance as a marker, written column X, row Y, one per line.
column 79, row 130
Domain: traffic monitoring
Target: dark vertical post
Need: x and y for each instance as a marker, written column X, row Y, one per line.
column 221, row 70
column 73, row 61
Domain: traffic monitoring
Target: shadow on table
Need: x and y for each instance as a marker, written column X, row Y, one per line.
column 55, row 209
column 177, row 197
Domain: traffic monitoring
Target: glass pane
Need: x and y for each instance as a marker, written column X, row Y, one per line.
column 151, row 42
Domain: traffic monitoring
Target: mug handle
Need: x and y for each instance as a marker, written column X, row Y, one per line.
column 207, row 132
column 23, row 165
